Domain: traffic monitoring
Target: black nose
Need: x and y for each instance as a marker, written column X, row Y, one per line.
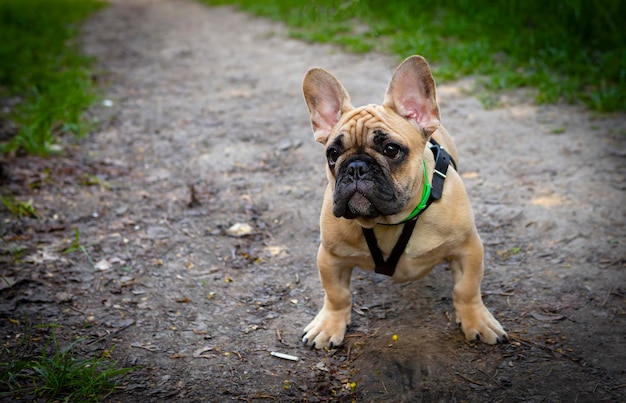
column 357, row 169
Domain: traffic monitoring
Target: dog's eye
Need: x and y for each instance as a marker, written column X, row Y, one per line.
column 332, row 154
column 391, row 150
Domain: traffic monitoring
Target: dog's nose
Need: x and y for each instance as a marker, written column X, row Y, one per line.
column 357, row 169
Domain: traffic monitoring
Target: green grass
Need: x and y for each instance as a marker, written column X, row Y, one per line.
column 58, row 373
column 569, row 50
column 18, row 208
column 45, row 82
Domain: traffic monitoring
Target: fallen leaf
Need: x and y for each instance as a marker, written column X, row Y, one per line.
column 358, row 310
column 321, row 366
column 116, row 259
column 199, row 352
column 102, row 265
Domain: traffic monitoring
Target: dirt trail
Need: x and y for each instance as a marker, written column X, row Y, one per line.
column 208, row 99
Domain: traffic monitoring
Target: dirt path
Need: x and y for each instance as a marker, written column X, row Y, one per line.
column 209, row 100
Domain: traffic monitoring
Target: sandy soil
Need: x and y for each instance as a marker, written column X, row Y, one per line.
column 208, row 129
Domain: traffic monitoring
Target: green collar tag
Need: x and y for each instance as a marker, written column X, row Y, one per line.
column 425, row 195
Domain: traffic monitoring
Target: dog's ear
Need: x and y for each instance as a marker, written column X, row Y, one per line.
column 411, row 93
column 326, row 99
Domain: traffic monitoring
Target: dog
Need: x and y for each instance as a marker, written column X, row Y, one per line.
column 380, row 210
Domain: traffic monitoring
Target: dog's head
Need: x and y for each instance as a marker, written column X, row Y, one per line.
column 374, row 153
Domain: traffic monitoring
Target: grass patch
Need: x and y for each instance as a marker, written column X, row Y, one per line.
column 18, row 208
column 569, row 50
column 58, row 373
column 45, row 82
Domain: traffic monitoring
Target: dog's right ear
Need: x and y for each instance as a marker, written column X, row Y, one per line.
column 326, row 99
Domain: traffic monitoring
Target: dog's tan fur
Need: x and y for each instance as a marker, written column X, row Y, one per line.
column 444, row 232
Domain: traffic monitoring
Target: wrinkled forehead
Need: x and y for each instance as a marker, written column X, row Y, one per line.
column 368, row 118
column 361, row 119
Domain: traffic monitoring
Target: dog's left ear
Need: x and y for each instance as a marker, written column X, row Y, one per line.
column 411, row 93
column 326, row 99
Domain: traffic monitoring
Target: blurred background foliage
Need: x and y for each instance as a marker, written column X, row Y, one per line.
column 569, row 50
column 45, row 82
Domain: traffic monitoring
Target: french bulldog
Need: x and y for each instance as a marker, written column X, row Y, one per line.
column 378, row 162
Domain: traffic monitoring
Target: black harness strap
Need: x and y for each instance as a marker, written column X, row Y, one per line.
column 435, row 143
column 442, row 162
column 388, row 267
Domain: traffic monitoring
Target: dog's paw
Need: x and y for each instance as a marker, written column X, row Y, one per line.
column 326, row 330
column 478, row 324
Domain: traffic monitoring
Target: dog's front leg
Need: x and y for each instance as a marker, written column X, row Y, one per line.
column 467, row 271
column 329, row 326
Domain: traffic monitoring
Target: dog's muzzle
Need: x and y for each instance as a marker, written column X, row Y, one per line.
column 363, row 190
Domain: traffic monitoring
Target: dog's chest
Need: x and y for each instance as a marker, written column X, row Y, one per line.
column 423, row 252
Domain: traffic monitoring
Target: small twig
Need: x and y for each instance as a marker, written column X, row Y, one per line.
column 149, row 348
column 77, row 310
column 612, row 263
column 357, row 357
column 168, row 250
column 193, row 202
column 546, row 348
column 504, row 294
column 116, row 331
column 263, row 396
column 470, row 380
column 82, row 248
column 619, row 387
column 100, row 338
column 354, row 335
column 527, row 341
column 608, row 294
column 284, row 356
column 493, row 377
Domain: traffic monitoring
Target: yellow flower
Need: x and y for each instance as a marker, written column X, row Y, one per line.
column 394, row 337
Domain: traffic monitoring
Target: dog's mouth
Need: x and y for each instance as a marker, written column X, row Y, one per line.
column 358, row 199
column 360, row 206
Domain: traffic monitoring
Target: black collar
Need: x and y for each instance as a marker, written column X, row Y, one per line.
column 388, row 267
